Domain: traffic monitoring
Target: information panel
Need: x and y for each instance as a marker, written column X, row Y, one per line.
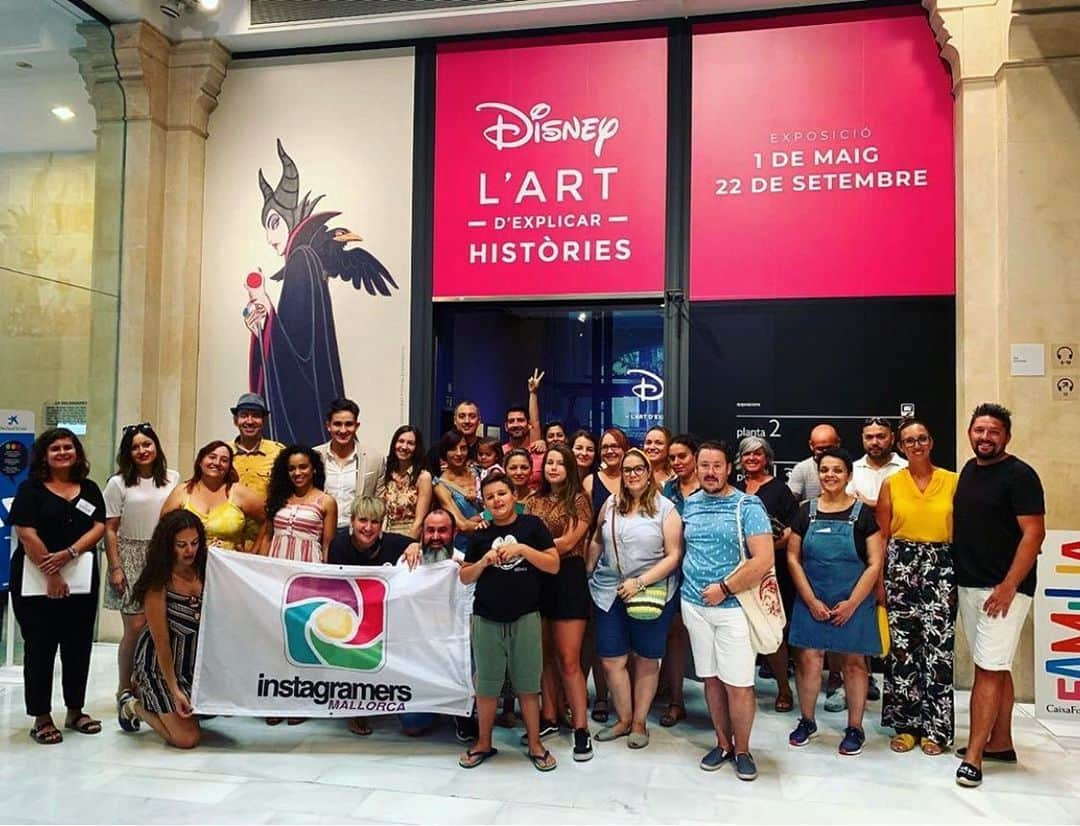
column 821, row 158
column 550, row 159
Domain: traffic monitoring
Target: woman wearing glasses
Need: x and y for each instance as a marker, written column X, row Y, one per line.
column 635, row 550
column 914, row 512
column 133, row 500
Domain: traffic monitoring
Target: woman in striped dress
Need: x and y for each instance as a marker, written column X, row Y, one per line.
column 170, row 591
column 300, row 518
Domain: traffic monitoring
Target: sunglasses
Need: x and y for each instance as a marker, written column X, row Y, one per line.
column 877, row 420
column 141, row 427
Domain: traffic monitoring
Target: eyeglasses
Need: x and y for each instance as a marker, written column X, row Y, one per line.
column 134, row 428
column 633, row 470
column 609, row 448
column 911, row 441
column 877, row 420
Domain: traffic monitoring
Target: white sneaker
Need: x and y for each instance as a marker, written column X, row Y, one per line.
column 837, row 701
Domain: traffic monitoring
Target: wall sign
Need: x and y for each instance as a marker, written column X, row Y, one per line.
column 1057, row 628
column 550, row 159
column 822, row 158
column 16, row 439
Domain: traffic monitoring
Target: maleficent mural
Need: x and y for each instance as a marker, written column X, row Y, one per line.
column 293, row 362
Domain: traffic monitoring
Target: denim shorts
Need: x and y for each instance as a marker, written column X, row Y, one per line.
column 617, row 634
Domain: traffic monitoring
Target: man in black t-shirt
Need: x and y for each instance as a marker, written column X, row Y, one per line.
column 507, row 561
column 998, row 529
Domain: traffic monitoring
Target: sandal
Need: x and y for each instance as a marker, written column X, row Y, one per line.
column 46, row 734
column 274, row 721
column 295, row 721
column 784, row 703
column 672, row 715
column 931, row 748
column 359, row 726
column 543, row 762
column 84, row 724
column 600, row 711
column 902, row 743
column 471, row 759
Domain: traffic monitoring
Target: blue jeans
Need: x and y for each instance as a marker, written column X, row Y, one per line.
column 617, row 634
column 417, row 721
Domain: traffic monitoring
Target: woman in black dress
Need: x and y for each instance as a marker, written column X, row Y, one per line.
column 756, row 466
column 170, row 590
column 59, row 515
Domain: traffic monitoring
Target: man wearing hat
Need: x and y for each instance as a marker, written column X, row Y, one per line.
column 254, row 455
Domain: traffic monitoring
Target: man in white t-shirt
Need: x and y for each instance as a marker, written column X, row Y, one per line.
column 803, row 479
column 878, row 464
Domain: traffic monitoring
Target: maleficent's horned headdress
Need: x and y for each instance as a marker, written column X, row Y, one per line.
column 285, row 200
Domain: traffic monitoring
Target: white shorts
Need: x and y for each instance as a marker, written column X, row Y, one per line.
column 720, row 640
column 992, row 640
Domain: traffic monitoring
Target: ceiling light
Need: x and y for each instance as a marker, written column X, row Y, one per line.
column 63, row 112
column 209, row 5
column 22, row 64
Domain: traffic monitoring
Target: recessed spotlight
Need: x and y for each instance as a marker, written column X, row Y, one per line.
column 209, row 5
column 63, row 112
column 22, row 64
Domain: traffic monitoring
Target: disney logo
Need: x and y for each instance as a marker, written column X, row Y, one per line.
column 513, row 128
column 651, row 386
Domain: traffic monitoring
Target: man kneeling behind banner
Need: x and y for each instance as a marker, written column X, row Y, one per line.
column 294, row 639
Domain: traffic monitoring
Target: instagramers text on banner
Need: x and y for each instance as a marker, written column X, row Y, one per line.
column 299, row 640
column 1057, row 628
column 550, row 159
column 821, row 158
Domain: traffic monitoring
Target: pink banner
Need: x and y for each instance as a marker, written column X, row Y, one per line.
column 822, row 158
column 550, row 161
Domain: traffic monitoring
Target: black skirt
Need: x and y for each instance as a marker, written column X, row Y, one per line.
column 565, row 595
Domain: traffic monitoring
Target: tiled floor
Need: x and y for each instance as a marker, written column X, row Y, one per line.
column 247, row 772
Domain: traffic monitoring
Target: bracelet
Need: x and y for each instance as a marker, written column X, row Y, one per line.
column 724, row 588
column 71, row 550
column 641, row 586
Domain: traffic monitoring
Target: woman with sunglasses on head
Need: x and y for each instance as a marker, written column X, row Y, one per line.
column 59, row 515
column 215, row 495
column 406, row 485
column 171, row 588
column 834, row 555
column 564, row 598
column 133, row 500
column 914, row 512
column 756, row 462
column 457, row 488
column 634, row 552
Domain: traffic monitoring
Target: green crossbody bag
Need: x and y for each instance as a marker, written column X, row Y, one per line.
column 649, row 603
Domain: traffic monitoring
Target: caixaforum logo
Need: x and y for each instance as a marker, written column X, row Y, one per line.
column 335, row 622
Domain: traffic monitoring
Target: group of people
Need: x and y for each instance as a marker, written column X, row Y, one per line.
column 581, row 553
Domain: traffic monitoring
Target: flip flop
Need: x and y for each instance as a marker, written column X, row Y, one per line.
column 471, row 759
column 359, row 726
column 784, row 704
column 84, row 724
column 47, row 734
column 274, row 721
column 672, row 714
column 540, row 761
column 295, row 721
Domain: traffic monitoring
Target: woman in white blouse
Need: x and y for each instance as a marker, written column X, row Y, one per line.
column 133, row 500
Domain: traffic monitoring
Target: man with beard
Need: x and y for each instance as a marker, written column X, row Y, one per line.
column 522, row 427
column 879, row 463
column 998, row 528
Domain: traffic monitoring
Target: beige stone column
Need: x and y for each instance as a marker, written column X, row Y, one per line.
column 169, row 91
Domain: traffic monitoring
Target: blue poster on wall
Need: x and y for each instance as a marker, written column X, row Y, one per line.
column 16, row 439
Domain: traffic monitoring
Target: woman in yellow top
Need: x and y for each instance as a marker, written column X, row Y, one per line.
column 914, row 512
column 214, row 494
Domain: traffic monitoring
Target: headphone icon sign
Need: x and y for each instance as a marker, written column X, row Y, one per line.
column 1065, row 386
column 1064, row 355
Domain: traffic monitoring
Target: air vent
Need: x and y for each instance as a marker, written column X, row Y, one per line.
column 272, row 12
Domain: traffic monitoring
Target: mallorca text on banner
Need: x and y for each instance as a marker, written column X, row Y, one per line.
column 291, row 639
column 1057, row 628
column 821, row 158
column 550, row 164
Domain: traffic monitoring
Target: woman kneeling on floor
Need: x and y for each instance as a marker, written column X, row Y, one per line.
column 506, row 560
column 170, row 590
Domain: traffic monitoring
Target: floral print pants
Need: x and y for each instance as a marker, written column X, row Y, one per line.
column 920, row 592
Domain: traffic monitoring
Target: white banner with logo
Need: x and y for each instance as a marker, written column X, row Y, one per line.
column 1057, row 628
column 294, row 639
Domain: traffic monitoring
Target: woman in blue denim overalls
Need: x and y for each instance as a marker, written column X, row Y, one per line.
column 835, row 558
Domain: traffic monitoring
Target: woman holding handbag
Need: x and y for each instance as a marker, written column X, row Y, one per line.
column 834, row 555
column 722, row 527
column 634, row 552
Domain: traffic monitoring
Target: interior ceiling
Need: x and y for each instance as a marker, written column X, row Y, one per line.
column 232, row 23
column 41, row 33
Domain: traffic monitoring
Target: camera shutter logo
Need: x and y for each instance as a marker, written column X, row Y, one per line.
column 335, row 622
